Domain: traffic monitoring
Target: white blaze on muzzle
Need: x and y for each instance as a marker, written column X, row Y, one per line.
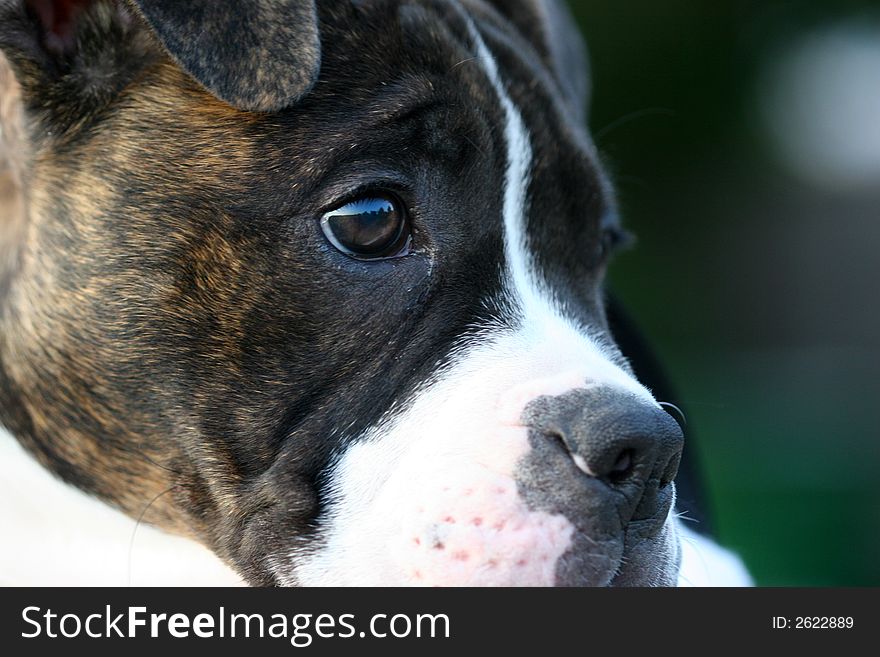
column 430, row 496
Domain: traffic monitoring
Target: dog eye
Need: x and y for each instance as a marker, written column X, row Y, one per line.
column 612, row 240
column 369, row 228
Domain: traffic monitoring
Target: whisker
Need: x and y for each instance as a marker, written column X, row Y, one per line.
column 706, row 404
column 629, row 118
column 476, row 146
column 138, row 524
column 636, row 181
column 676, row 409
column 142, row 454
column 463, row 61
column 682, row 515
column 699, row 553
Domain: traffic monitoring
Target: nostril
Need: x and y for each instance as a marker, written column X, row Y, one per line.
column 626, row 443
column 622, row 466
column 555, row 437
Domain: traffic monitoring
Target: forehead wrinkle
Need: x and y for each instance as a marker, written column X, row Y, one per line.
column 393, row 101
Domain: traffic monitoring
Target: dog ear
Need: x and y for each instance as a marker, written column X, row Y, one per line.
column 71, row 56
column 256, row 55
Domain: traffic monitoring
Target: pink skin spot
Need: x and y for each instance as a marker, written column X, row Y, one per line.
column 467, row 514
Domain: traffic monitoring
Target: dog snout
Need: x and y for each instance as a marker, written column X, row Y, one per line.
column 631, row 446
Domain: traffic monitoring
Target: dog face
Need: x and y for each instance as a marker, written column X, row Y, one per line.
column 334, row 311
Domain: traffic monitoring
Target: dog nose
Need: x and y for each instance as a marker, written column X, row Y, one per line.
column 631, row 445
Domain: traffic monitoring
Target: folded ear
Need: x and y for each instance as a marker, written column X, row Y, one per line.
column 72, row 56
column 257, row 55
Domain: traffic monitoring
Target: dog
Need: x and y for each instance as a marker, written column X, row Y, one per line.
column 312, row 293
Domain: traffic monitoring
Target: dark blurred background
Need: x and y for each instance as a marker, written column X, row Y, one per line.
column 744, row 139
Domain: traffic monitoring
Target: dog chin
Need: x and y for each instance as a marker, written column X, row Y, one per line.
column 652, row 562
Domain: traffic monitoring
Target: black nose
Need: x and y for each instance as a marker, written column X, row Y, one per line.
column 614, row 436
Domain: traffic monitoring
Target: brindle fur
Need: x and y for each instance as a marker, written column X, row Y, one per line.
column 12, row 163
column 157, row 347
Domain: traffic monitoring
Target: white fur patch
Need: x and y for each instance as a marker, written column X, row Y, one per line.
column 516, row 183
column 56, row 535
column 705, row 563
column 447, row 461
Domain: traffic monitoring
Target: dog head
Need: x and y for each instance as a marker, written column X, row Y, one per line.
column 321, row 287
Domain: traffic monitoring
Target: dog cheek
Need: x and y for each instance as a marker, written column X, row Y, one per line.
column 445, row 511
column 470, row 528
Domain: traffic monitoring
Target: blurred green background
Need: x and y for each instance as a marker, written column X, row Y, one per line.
column 744, row 139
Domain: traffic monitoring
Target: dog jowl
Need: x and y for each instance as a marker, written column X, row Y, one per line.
column 321, row 288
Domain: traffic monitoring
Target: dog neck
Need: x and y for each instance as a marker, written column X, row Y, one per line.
column 54, row 534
